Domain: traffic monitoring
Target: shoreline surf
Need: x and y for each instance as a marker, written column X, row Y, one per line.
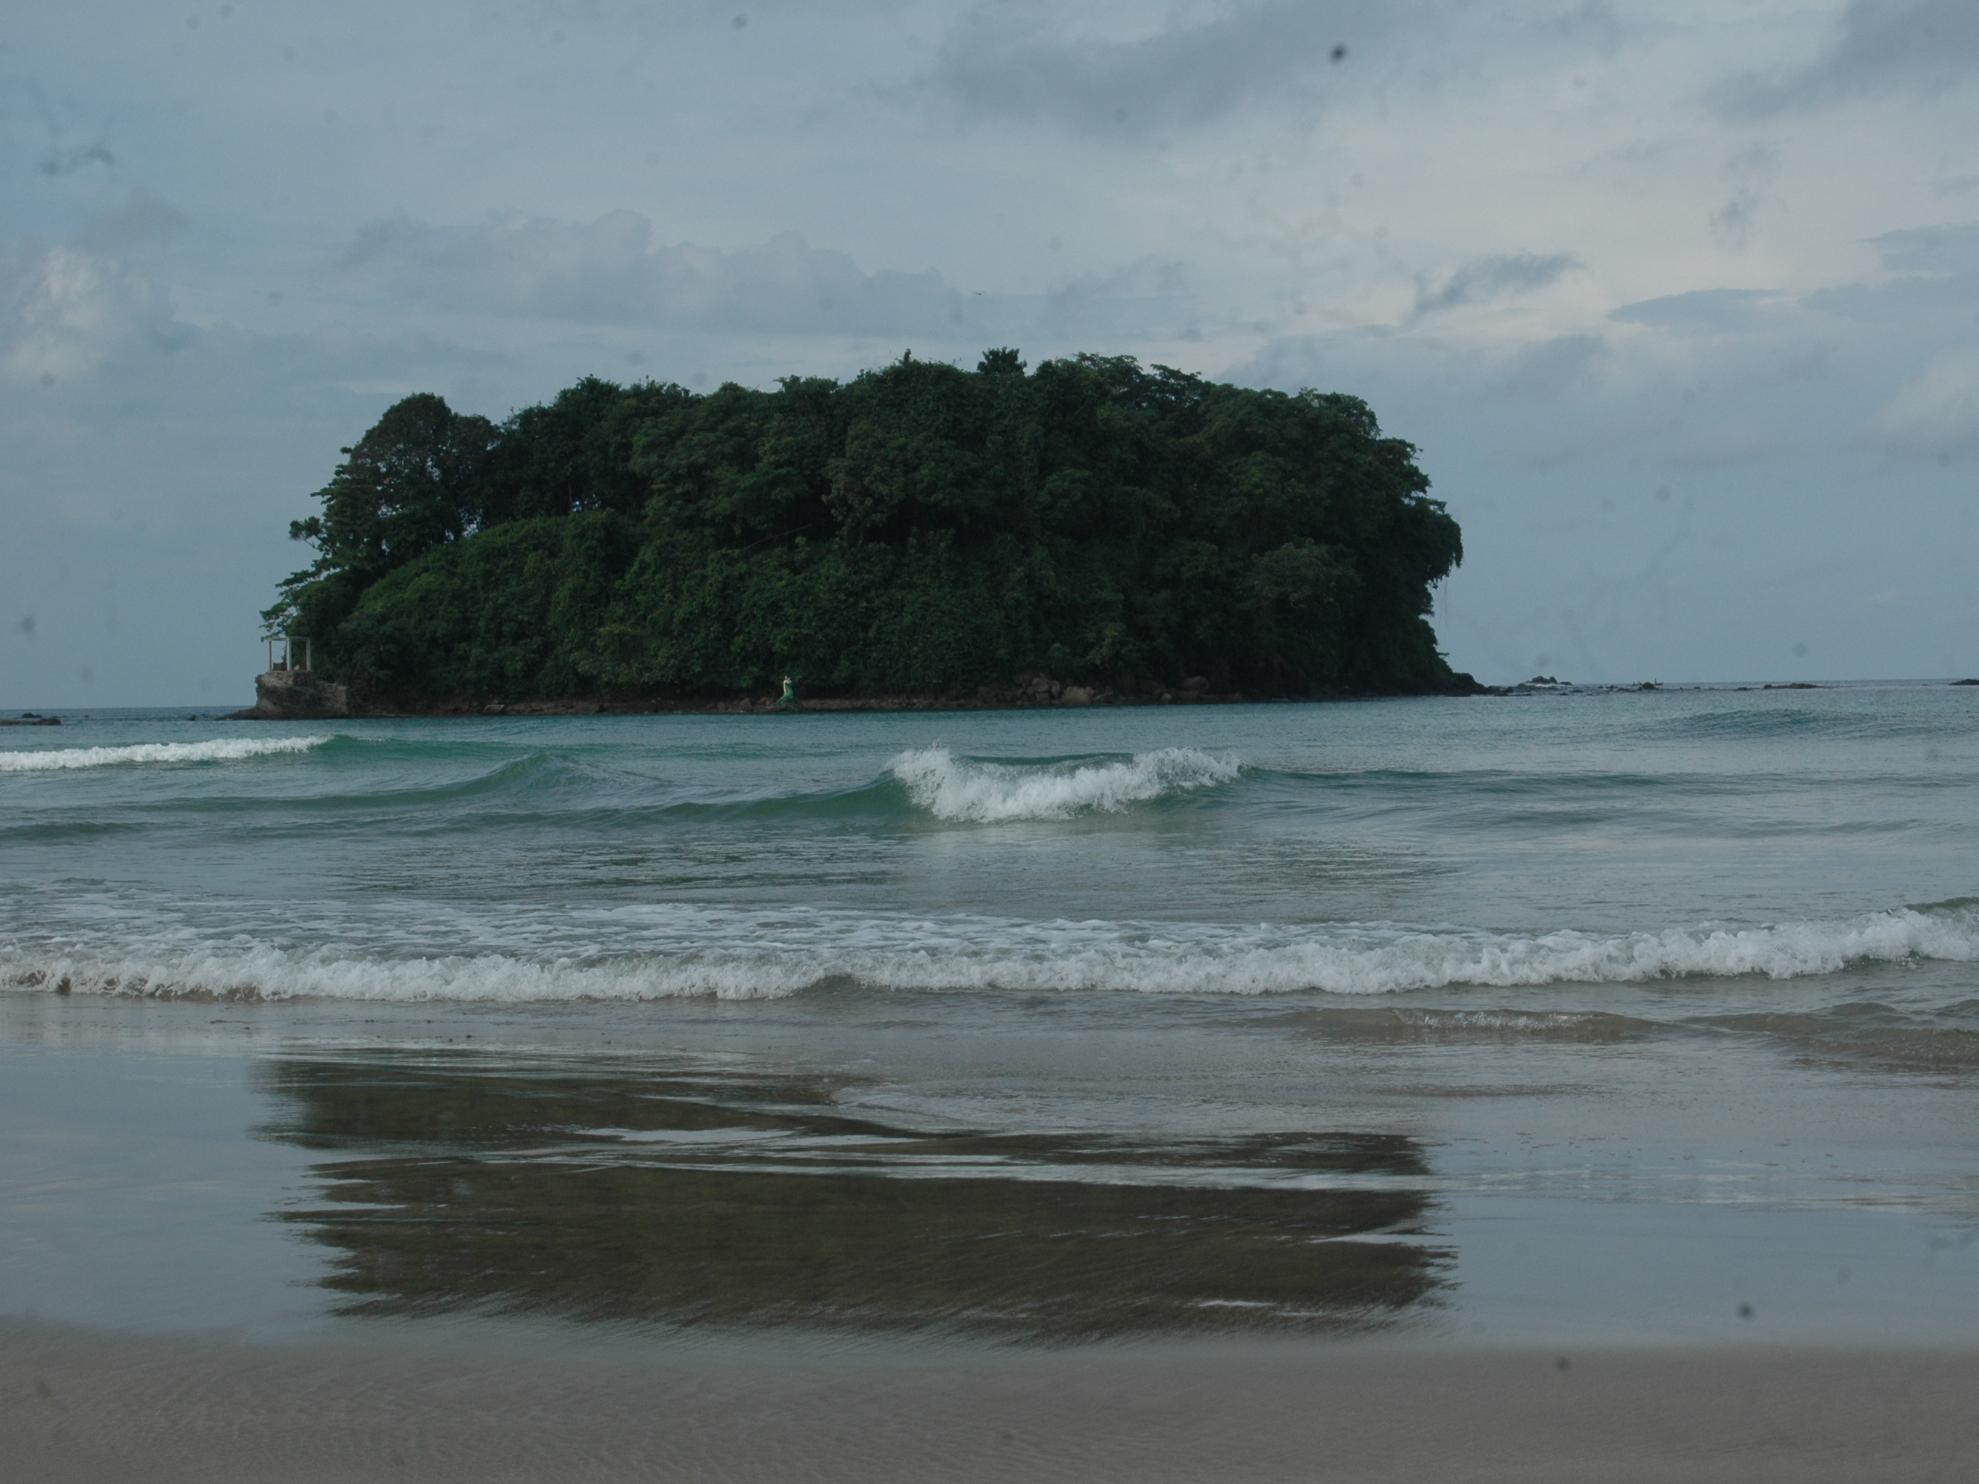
column 1114, row 1041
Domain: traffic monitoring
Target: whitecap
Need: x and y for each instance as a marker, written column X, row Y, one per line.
column 216, row 750
column 670, row 951
column 985, row 793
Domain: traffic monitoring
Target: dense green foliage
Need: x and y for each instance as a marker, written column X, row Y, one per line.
column 922, row 529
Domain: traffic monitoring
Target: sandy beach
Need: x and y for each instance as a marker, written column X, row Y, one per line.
column 83, row 1406
column 248, row 1242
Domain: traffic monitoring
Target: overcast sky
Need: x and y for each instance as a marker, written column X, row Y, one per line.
column 1679, row 301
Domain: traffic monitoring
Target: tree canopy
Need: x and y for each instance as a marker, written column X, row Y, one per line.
column 921, row 529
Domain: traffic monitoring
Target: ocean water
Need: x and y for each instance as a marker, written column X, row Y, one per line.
column 1789, row 847
column 1047, row 1025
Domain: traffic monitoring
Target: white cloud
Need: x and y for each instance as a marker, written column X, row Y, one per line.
column 66, row 312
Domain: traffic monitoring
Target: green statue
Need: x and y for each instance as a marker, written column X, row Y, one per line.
column 788, row 700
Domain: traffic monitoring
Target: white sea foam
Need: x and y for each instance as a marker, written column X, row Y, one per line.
column 986, row 793
column 668, row 952
column 217, row 750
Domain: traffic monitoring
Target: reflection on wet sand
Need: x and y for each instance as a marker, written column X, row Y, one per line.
column 687, row 1195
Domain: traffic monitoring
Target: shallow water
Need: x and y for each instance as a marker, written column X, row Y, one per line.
column 1625, row 1017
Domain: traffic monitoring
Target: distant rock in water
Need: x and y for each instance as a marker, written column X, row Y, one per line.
column 1966, row 682
column 294, row 695
column 1539, row 685
column 31, row 719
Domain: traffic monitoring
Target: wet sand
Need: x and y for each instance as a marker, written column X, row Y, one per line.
column 76, row 1405
column 322, row 1243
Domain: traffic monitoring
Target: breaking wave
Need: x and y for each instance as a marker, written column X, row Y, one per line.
column 983, row 793
column 218, row 750
column 678, row 951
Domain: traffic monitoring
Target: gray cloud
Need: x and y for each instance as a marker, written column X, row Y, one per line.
column 1934, row 414
column 1550, row 368
column 1607, row 402
column 1590, row 22
column 1214, row 62
column 59, row 161
column 1883, row 48
column 1130, row 177
column 1933, row 291
column 1126, row 302
column 1748, row 174
column 1484, row 279
column 1702, row 312
column 1182, row 76
column 142, row 218
column 1731, row 224
column 1952, row 247
column 611, row 271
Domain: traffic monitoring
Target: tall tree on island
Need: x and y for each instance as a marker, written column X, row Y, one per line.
column 414, row 482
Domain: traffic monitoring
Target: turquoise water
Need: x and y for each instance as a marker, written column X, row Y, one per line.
column 1324, row 855
column 1644, row 1015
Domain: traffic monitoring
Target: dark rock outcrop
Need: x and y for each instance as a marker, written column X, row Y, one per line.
column 294, row 695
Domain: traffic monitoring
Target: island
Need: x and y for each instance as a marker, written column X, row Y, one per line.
column 1090, row 530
